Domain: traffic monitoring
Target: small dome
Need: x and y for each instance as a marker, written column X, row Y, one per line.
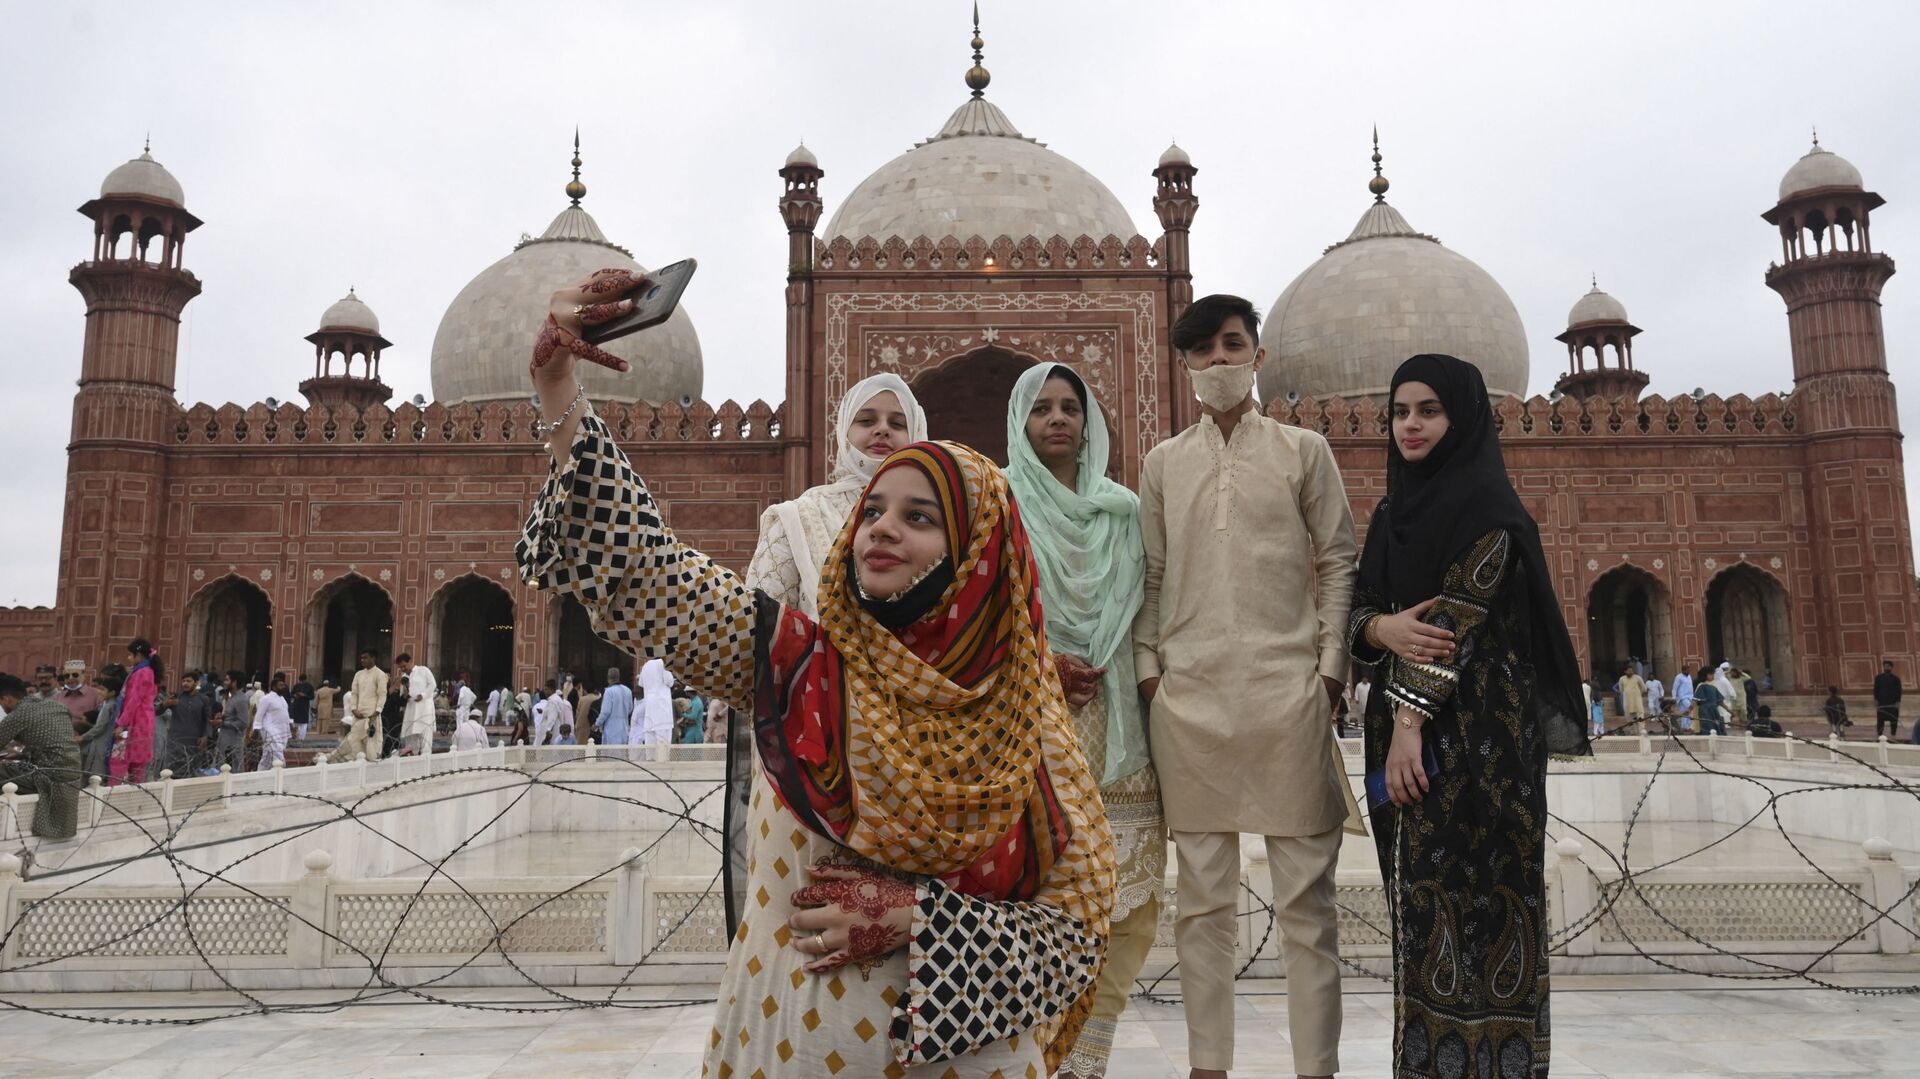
column 1383, row 294
column 1597, row 306
column 349, row 313
column 1175, row 156
column 1819, row 168
column 144, row 177
column 980, row 177
column 802, row 156
column 480, row 351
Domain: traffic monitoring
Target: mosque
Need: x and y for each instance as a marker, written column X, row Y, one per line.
column 1773, row 532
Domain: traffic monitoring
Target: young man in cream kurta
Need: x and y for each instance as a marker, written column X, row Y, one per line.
column 1241, row 650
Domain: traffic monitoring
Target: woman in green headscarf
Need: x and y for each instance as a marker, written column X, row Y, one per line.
column 1085, row 533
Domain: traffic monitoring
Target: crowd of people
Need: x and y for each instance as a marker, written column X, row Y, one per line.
column 946, row 672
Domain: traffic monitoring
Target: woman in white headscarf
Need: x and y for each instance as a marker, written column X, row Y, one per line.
column 877, row 416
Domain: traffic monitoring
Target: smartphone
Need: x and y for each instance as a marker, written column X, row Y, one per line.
column 651, row 307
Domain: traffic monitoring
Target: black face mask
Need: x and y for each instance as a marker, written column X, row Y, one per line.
column 899, row 612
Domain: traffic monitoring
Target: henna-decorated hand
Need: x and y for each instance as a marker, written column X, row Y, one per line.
column 589, row 303
column 851, row 915
column 1078, row 679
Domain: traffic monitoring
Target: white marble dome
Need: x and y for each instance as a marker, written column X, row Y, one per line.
column 485, row 339
column 802, row 156
column 1597, row 306
column 145, row 177
column 1383, row 294
column 1819, row 168
column 1174, row 155
column 349, row 312
column 980, row 177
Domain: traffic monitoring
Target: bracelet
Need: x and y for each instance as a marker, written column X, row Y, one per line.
column 1367, row 632
column 542, row 429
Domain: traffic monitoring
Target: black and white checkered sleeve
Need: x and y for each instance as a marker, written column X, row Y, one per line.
column 980, row 971
column 596, row 534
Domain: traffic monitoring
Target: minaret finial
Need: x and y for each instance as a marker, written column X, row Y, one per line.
column 1378, row 185
column 1594, row 276
column 977, row 76
column 575, row 189
column 1816, row 136
column 147, row 147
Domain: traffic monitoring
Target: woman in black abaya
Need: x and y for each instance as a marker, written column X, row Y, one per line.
column 1476, row 674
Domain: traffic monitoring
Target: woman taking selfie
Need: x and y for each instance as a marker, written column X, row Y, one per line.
column 1457, row 610
column 1085, row 532
column 930, row 870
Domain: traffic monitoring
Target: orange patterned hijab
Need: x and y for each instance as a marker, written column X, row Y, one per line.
column 944, row 749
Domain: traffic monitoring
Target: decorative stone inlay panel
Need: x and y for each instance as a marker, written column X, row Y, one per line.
column 466, row 924
column 152, row 927
column 701, row 918
column 1137, row 307
column 1722, row 913
column 1090, row 351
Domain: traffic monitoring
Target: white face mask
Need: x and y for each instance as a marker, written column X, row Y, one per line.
column 1223, row 386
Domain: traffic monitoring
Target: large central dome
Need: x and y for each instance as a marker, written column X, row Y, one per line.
column 980, row 177
column 1383, row 294
column 481, row 350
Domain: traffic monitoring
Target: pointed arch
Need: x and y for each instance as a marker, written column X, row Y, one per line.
column 965, row 398
column 471, row 621
column 1750, row 623
column 347, row 614
column 229, row 627
column 1630, row 616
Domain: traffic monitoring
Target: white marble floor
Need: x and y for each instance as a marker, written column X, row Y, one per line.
column 1624, row 1028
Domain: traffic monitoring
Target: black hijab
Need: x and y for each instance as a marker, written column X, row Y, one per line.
column 1438, row 507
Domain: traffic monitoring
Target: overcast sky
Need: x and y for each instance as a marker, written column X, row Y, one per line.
column 402, row 147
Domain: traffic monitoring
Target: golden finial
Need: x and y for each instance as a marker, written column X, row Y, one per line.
column 977, row 76
column 575, row 189
column 1378, row 185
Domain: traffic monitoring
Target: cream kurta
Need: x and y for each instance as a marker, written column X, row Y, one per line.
column 1236, row 629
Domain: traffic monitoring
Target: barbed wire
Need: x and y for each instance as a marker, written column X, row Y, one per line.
column 384, row 980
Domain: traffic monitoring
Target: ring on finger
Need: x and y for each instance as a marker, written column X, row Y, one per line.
column 820, row 942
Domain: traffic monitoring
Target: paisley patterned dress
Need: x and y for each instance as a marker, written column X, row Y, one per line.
column 1465, row 867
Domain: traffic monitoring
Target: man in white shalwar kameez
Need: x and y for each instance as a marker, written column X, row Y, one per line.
column 655, row 725
column 1240, row 648
column 463, row 702
column 418, row 722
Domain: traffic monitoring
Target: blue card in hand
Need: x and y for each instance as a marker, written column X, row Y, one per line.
column 1377, row 780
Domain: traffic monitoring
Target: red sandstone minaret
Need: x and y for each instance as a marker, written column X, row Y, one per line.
column 800, row 209
column 1843, row 402
column 350, row 330
column 135, row 287
column 1598, row 322
column 1175, row 204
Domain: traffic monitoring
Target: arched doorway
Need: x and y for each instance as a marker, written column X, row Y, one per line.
column 348, row 615
column 1748, row 624
column 966, row 399
column 470, row 628
column 581, row 651
column 230, row 628
column 1630, row 616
